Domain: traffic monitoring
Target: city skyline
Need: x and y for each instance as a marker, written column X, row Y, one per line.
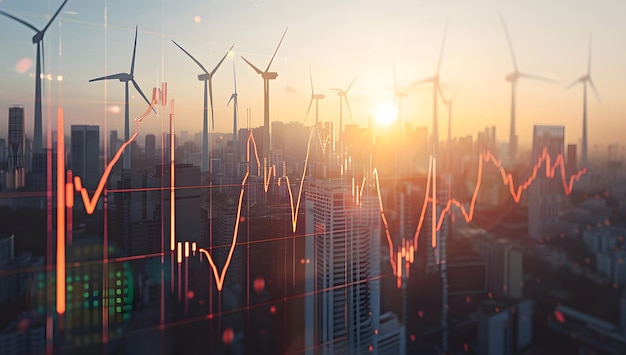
column 476, row 57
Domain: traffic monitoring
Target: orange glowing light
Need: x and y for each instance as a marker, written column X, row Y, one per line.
column 386, row 114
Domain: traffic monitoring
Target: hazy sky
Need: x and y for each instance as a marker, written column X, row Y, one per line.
column 339, row 40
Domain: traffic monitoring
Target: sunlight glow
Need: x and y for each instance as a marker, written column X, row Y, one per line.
column 386, row 114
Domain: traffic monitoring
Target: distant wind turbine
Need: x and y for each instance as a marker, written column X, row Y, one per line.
column 126, row 78
column 208, row 81
column 233, row 98
column 513, row 78
column 343, row 96
column 584, row 80
column 38, row 40
column 317, row 98
column 448, row 104
column 436, row 91
column 399, row 94
column 267, row 76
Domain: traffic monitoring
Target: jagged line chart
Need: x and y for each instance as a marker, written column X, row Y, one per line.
column 407, row 250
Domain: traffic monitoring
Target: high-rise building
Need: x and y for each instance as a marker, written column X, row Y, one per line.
column 113, row 143
column 17, row 147
column 150, row 146
column 85, row 154
column 572, row 157
column 545, row 194
column 342, row 260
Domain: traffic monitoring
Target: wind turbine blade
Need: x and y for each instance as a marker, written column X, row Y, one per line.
column 19, row 20
column 142, row 94
column 43, row 58
column 508, row 39
column 348, row 104
column 349, row 86
column 235, row 77
column 211, row 101
column 440, row 91
column 337, row 89
column 276, row 51
column 443, row 46
column 257, row 70
column 232, row 96
column 455, row 93
column 308, row 109
column 54, row 16
column 589, row 58
column 423, row 81
column 572, row 84
column 537, row 77
column 192, row 57
column 312, row 91
column 132, row 63
column 109, row 77
column 220, row 63
column 595, row 91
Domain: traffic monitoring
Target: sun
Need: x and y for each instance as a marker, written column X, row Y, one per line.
column 386, row 114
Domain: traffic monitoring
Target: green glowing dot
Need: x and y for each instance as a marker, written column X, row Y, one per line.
column 96, row 303
column 118, row 300
column 118, row 309
column 118, row 274
column 118, row 292
column 96, row 293
column 69, row 279
column 86, row 294
column 86, row 278
column 70, row 287
column 86, row 286
column 40, row 284
column 86, row 304
column 118, row 282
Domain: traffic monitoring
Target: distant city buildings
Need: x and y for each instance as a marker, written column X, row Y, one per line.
column 545, row 194
column 85, row 154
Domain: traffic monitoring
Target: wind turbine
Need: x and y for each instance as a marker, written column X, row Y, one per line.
column 267, row 76
column 436, row 90
column 584, row 80
column 399, row 94
column 233, row 98
column 38, row 40
column 208, row 82
column 513, row 77
column 317, row 98
column 448, row 104
column 126, row 78
column 343, row 96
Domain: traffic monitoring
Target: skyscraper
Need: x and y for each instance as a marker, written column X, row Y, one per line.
column 150, row 146
column 85, row 154
column 342, row 261
column 17, row 144
column 545, row 194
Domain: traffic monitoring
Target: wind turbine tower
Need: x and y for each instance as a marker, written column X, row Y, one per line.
column 38, row 40
column 267, row 76
column 317, row 98
column 343, row 96
column 126, row 78
column 207, row 78
column 584, row 80
column 233, row 98
column 436, row 91
column 513, row 78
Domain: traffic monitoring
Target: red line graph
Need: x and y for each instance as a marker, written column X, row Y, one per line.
column 407, row 250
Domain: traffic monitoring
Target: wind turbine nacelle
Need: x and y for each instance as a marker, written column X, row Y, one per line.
column 512, row 77
column 318, row 96
column 38, row 37
column 270, row 75
column 203, row 77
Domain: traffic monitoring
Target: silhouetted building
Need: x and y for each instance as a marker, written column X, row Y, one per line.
column 150, row 146
column 85, row 154
column 17, row 148
column 572, row 158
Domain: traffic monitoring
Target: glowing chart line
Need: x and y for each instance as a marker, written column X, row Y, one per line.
column 90, row 203
column 60, row 262
column 406, row 251
column 219, row 276
column 294, row 211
